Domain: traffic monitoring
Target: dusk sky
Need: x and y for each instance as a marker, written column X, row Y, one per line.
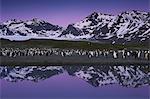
column 64, row 12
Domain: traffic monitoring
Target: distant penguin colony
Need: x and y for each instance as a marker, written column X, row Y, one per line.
column 124, row 54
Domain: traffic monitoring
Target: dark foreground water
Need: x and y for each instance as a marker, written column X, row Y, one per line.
column 78, row 82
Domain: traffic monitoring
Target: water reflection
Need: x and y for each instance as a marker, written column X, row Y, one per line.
column 127, row 76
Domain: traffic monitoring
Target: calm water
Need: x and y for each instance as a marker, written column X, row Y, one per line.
column 61, row 85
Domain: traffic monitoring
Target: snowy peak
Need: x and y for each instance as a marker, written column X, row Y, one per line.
column 85, row 28
column 129, row 26
column 34, row 27
column 100, row 16
column 125, row 27
column 93, row 20
column 35, row 21
column 138, row 15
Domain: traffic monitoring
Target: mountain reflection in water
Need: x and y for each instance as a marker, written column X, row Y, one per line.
column 127, row 76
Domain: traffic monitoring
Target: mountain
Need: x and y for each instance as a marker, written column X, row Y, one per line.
column 88, row 25
column 133, row 26
column 127, row 76
column 30, row 28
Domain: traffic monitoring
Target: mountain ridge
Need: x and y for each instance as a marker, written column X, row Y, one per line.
column 126, row 27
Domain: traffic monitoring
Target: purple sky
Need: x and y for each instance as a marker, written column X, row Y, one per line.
column 64, row 12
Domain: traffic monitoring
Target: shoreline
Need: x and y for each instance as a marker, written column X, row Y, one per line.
column 71, row 61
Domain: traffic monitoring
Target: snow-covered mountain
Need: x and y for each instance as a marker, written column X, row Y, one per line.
column 31, row 28
column 133, row 26
column 127, row 76
column 127, row 26
column 88, row 25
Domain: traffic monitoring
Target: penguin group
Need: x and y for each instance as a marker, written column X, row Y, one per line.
column 123, row 54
